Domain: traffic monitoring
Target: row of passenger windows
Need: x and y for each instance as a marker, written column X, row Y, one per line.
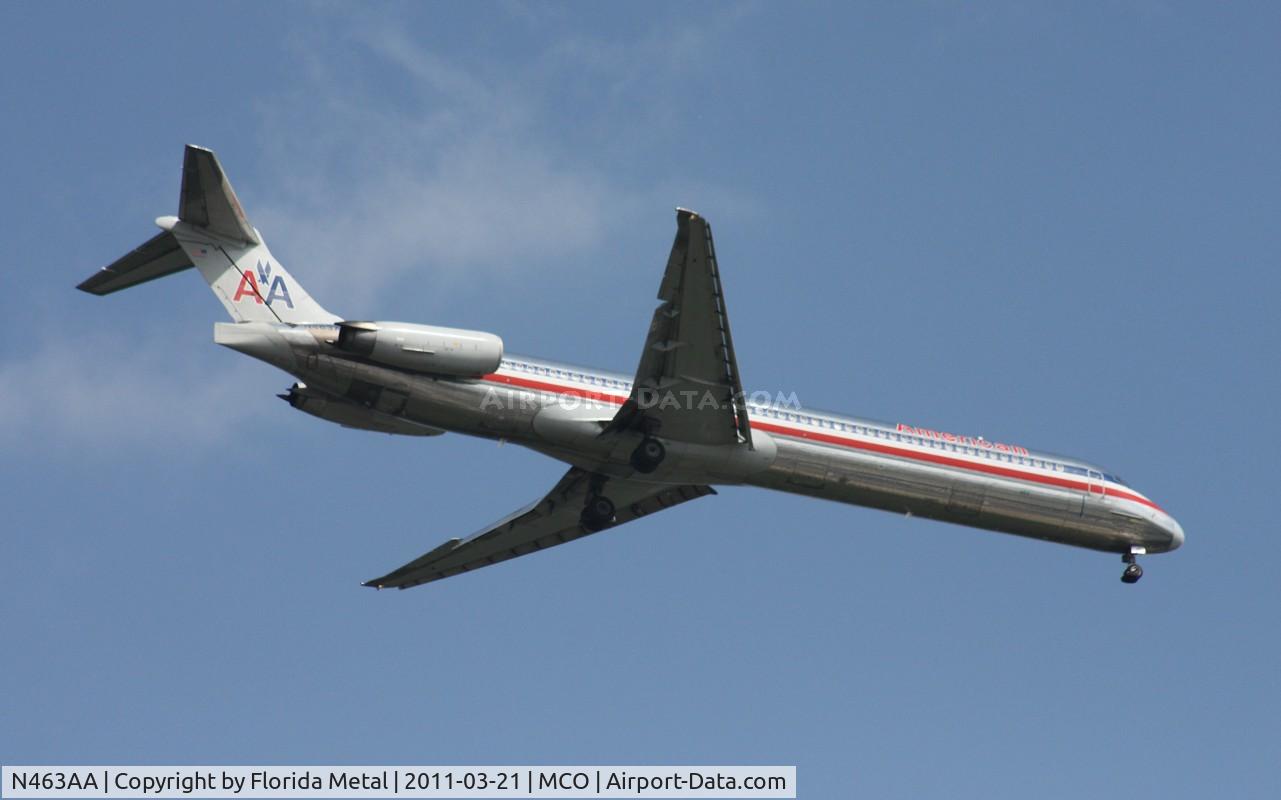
column 934, row 444
column 835, row 425
column 569, row 375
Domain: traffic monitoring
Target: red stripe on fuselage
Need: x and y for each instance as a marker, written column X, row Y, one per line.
column 853, row 444
column 555, row 388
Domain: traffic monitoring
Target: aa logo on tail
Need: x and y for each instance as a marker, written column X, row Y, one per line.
column 249, row 284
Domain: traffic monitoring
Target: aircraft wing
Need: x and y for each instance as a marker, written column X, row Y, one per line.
column 551, row 521
column 687, row 386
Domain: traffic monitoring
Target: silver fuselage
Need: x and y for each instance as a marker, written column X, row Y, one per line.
column 560, row 410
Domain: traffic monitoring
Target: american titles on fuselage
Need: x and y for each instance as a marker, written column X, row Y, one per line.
column 970, row 441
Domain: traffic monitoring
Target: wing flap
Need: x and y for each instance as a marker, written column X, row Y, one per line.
column 551, row 521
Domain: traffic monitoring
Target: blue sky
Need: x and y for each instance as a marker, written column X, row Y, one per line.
column 1050, row 224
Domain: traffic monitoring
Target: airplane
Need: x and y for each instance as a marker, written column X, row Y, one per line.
column 635, row 445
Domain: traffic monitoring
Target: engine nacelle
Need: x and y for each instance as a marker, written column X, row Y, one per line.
column 352, row 415
column 422, row 348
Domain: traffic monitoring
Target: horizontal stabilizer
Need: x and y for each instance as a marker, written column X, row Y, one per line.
column 208, row 201
column 159, row 256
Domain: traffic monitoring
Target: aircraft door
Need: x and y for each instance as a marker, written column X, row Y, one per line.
column 1096, row 485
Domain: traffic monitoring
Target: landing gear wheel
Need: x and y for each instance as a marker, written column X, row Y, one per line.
column 648, row 455
column 1132, row 569
column 598, row 513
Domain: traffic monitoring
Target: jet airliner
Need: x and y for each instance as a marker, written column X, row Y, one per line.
column 634, row 444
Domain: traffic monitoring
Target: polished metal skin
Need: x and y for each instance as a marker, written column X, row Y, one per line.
column 558, row 409
column 635, row 445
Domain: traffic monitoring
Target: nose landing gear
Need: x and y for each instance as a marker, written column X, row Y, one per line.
column 1132, row 569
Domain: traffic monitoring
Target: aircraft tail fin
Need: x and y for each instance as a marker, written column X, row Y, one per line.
column 212, row 233
column 208, row 201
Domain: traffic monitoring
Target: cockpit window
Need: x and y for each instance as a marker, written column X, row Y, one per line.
column 1114, row 479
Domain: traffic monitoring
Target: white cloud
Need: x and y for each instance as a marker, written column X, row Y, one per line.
column 452, row 175
column 482, row 208
column 65, row 392
column 383, row 159
column 390, row 159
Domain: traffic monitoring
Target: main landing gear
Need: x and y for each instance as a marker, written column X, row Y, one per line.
column 1132, row 569
column 598, row 511
column 648, row 455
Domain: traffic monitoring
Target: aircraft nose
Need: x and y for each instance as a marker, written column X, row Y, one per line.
column 1175, row 530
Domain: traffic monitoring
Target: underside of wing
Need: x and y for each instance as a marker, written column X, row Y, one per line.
column 687, row 385
column 553, row 520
